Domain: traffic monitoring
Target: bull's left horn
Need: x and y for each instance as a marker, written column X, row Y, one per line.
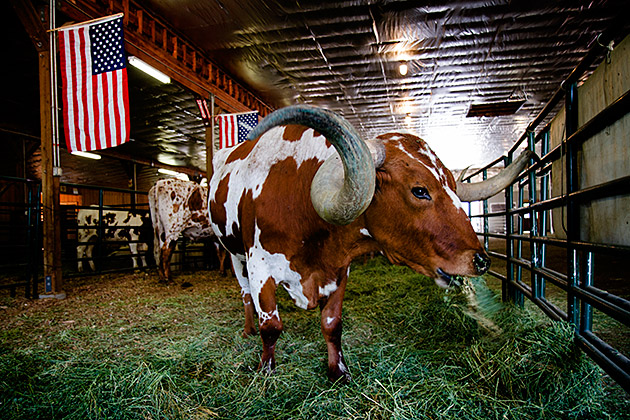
column 476, row 191
column 339, row 196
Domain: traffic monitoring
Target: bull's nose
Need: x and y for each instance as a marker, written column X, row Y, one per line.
column 481, row 263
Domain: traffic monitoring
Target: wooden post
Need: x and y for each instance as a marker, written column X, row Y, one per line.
column 53, row 284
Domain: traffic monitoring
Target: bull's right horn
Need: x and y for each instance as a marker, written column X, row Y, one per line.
column 476, row 191
column 342, row 188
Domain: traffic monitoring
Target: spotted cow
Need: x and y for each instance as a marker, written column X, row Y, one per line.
column 179, row 208
column 117, row 226
column 298, row 203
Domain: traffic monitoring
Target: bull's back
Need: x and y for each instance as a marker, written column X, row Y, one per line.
column 264, row 186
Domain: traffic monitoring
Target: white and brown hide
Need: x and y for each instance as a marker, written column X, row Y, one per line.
column 177, row 208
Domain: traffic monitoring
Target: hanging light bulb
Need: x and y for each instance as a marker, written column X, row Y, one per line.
column 403, row 69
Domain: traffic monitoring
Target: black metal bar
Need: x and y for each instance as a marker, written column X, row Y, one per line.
column 509, row 294
column 101, row 231
column 586, row 310
column 606, row 357
column 573, row 217
column 486, row 226
column 96, row 187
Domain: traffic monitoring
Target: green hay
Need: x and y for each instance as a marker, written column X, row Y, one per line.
column 415, row 352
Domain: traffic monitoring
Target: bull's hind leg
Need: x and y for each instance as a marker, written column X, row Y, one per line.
column 241, row 275
column 331, row 324
column 165, row 260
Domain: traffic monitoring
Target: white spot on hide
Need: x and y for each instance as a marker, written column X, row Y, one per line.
column 266, row 316
column 342, row 366
column 328, row 289
column 261, row 265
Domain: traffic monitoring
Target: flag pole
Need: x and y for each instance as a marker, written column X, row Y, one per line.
column 87, row 22
column 53, row 91
column 210, row 143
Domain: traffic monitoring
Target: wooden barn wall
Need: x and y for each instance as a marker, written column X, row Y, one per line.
column 603, row 158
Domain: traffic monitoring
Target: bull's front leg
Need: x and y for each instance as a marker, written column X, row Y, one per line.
column 133, row 249
column 331, row 324
column 89, row 250
column 269, row 323
column 80, row 254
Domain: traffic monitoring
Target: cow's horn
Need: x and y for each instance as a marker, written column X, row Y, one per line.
column 475, row 191
column 342, row 188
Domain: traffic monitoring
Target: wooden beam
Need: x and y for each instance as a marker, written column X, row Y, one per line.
column 32, row 20
column 50, row 188
column 35, row 23
column 169, row 53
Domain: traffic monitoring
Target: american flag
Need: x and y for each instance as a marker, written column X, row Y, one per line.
column 94, row 80
column 233, row 128
column 206, row 116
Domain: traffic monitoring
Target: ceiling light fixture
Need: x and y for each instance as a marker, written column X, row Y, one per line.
column 173, row 173
column 87, row 155
column 403, row 69
column 151, row 71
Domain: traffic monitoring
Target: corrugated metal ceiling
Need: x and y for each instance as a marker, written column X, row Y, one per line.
column 345, row 56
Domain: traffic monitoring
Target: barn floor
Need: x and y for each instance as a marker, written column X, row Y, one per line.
column 126, row 347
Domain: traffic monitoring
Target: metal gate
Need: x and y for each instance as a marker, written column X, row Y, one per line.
column 20, row 235
column 570, row 278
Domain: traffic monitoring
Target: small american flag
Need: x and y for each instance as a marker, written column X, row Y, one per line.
column 206, row 117
column 94, row 80
column 233, row 128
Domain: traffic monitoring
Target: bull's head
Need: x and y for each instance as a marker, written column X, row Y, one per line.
column 416, row 214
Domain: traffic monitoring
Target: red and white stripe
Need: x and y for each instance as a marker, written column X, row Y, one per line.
column 228, row 126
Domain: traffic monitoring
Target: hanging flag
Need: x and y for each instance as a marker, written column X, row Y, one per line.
column 234, row 128
column 94, row 82
column 206, row 117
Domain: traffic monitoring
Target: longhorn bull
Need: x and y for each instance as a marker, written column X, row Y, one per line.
column 293, row 212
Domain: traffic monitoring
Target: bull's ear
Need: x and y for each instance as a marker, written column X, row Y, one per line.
column 382, row 177
column 377, row 150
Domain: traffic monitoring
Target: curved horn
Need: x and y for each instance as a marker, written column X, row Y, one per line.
column 481, row 190
column 344, row 185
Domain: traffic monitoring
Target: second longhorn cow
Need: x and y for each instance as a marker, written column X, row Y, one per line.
column 177, row 208
column 296, row 205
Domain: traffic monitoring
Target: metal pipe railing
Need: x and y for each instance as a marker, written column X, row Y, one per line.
column 577, row 282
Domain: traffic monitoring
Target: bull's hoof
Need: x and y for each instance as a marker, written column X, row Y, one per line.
column 339, row 376
column 249, row 332
column 267, row 367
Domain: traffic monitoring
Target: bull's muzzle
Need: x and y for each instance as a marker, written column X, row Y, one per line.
column 481, row 262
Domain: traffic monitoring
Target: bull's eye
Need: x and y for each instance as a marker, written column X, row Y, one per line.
column 421, row 192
